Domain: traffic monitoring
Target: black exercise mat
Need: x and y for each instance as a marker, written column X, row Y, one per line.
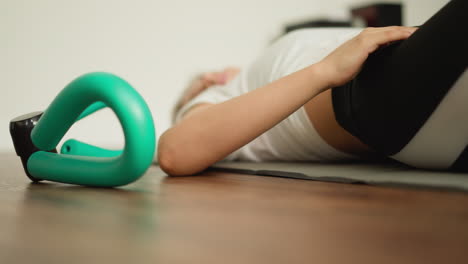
column 386, row 174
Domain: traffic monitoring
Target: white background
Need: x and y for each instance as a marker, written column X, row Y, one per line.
column 155, row 45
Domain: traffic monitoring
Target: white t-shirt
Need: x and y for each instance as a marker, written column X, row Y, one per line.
column 294, row 138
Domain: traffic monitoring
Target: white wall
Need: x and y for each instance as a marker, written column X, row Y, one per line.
column 155, row 45
column 416, row 12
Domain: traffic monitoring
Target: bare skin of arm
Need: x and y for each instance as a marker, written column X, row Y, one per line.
column 210, row 132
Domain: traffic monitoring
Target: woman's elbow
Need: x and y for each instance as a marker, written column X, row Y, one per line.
column 165, row 162
column 173, row 161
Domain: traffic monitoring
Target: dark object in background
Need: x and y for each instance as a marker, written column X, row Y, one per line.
column 372, row 15
column 316, row 24
column 377, row 15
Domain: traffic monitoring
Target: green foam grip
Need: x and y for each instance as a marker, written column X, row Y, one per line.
column 84, row 164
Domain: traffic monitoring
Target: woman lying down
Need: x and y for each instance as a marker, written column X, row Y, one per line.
column 331, row 95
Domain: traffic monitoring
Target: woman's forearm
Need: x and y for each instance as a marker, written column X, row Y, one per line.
column 212, row 133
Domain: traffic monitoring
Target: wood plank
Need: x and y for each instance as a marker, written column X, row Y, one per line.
column 227, row 218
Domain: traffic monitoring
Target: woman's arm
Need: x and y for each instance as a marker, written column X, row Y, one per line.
column 211, row 132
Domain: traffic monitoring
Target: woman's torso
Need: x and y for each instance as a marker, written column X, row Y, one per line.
column 310, row 133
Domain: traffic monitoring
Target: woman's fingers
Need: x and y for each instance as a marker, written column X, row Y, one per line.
column 211, row 78
column 221, row 77
column 231, row 73
column 375, row 37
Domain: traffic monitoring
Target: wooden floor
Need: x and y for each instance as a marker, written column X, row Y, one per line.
column 227, row 218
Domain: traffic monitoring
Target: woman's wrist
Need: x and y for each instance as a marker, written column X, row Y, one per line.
column 322, row 76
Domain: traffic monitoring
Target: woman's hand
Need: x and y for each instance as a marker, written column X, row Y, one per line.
column 344, row 63
column 204, row 81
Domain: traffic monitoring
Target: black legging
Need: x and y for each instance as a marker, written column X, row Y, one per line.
column 400, row 85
